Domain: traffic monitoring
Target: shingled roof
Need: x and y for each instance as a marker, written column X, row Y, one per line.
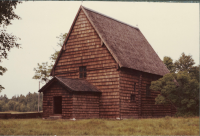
column 126, row 43
column 78, row 85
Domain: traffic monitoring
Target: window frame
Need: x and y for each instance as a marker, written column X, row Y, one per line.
column 133, row 96
column 82, row 72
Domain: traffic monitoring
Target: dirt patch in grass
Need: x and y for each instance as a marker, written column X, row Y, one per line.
column 160, row 126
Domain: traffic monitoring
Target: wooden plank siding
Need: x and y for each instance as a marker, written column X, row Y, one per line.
column 129, row 109
column 143, row 106
column 149, row 108
column 83, row 48
column 94, row 46
column 85, row 105
column 67, row 104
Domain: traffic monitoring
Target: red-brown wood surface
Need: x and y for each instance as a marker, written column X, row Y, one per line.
column 144, row 106
column 84, row 48
column 85, row 105
column 48, row 104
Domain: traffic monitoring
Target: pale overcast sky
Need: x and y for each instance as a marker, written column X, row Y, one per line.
column 170, row 28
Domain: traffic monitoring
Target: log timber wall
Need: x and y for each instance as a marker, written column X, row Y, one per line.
column 142, row 107
column 128, row 79
column 149, row 108
column 85, row 105
column 57, row 90
column 84, row 48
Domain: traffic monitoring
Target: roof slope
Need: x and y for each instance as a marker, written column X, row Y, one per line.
column 126, row 43
column 79, row 85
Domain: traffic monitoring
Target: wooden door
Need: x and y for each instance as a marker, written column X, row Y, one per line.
column 58, row 105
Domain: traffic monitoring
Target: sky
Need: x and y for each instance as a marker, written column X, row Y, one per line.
column 170, row 28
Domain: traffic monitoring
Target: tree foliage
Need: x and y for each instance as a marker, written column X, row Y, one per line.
column 7, row 11
column 61, row 38
column 194, row 72
column 2, row 70
column 180, row 88
column 42, row 72
column 169, row 64
column 21, row 103
column 184, row 63
column 7, row 41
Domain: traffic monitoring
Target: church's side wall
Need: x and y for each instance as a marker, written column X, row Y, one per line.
column 85, row 105
column 128, row 78
column 84, row 48
column 143, row 106
column 55, row 89
column 148, row 107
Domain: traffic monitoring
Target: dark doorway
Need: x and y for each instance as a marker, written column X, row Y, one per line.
column 57, row 104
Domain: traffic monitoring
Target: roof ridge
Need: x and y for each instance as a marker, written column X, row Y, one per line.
column 110, row 18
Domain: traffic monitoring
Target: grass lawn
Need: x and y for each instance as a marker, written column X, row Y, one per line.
column 161, row 126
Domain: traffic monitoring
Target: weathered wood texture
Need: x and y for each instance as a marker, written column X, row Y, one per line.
column 128, row 78
column 85, row 105
column 143, row 106
column 149, row 108
column 48, row 104
column 83, row 48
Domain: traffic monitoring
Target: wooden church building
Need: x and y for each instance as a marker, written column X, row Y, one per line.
column 104, row 70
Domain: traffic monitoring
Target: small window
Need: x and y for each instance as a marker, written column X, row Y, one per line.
column 132, row 97
column 82, row 72
column 134, row 87
column 148, row 91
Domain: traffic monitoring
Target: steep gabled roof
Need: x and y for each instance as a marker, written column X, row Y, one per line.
column 126, row 43
column 78, row 85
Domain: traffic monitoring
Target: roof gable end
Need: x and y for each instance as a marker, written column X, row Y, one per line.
column 77, row 85
column 63, row 47
column 127, row 44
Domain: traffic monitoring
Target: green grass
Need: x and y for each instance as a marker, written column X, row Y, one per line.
column 161, row 126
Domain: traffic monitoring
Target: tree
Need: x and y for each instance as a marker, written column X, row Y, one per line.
column 180, row 88
column 2, row 70
column 194, row 72
column 5, row 107
column 61, row 38
column 169, row 64
column 184, row 63
column 7, row 41
column 43, row 70
column 11, row 105
column 21, row 103
column 2, row 103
